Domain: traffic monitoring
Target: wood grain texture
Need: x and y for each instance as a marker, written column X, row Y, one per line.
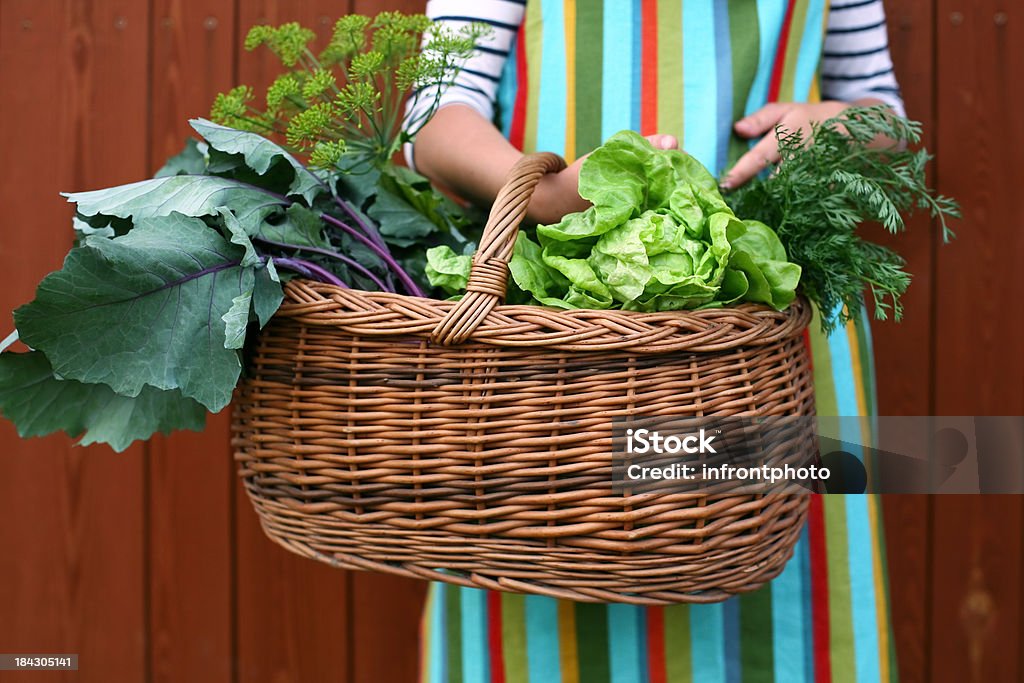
column 979, row 331
column 903, row 352
column 72, row 562
column 191, row 476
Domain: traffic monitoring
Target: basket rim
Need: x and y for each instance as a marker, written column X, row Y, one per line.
column 386, row 314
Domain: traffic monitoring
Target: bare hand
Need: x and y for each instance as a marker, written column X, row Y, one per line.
column 787, row 115
column 558, row 194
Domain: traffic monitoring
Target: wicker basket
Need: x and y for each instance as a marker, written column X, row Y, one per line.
column 469, row 441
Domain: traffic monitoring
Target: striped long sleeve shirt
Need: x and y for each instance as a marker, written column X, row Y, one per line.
column 855, row 60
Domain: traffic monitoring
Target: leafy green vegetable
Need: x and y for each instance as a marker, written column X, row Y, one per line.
column 829, row 184
column 658, row 236
column 259, row 154
column 185, row 194
column 144, row 309
column 345, row 105
column 39, row 404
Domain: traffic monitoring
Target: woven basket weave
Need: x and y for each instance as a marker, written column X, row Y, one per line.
column 469, row 442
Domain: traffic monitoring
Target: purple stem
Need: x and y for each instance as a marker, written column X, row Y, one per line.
column 370, row 231
column 410, row 285
column 355, row 265
column 310, row 270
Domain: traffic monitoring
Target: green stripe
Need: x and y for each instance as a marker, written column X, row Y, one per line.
column 678, row 658
column 592, row 642
column 756, row 648
column 534, row 34
column 589, row 59
column 453, row 611
column 844, row 665
column 796, row 39
column 670, row 68
column 745, row 42
column 513, row 637
column 824, row 385
column 867, row 363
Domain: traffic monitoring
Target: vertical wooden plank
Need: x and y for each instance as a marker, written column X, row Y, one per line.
column 71, row 519
column 293, row 614
column 386, row 609
column 903, row 352
column 976, row 624
column 191, row 475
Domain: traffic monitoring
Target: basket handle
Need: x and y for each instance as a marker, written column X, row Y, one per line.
column 488, row 274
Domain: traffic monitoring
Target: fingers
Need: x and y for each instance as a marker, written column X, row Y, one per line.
column 753, row 162
column 663, row 141
column 762, row 120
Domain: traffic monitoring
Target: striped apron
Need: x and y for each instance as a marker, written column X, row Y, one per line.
column 581, row 70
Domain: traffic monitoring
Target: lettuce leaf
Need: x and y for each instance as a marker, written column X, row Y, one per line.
column 658, row 236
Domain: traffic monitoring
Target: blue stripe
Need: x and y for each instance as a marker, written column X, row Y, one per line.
column 723, row 60
column 856, row 29
column 641, row 620
column 790, row 630
column 438, row 632
column 476, row 665
column 853, row 5
column 862, row 588
column 542, row 652
column 700, row 82
column 637, row 65
column 551, row 94
column 507, row 88
column 843, row 379
column 731, row 634
column 856, row 53
column 706, row 643
column 770, row 15
column 857, row 77
column 811, row 43
column 624, row 646
column 617, row 70
column 483, row 20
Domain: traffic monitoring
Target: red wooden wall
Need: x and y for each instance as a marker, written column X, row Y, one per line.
column 151, row 564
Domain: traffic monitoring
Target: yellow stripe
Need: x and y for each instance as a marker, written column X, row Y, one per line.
column 570, row 80
column 425, row 636
column 881, row 603
column 567, row 642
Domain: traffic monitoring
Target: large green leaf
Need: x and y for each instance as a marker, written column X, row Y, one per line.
column 260, row 154
column 143, row 309
column 191, row 160
column 189, row 195
column 38, row 403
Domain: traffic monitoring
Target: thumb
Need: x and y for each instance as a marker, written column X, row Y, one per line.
column 663, row 141
column 762, row 120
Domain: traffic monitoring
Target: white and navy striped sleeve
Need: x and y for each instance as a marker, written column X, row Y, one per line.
column 856, row 61
column 476, row 85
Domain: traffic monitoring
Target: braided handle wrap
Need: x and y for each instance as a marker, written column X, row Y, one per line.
column 488, row 276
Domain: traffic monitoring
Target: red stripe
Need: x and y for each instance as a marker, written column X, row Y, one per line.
column 494, row 637
column 780, row 55
column 807, row 345
column 517, row 130
column 649, row 76
column 657, row 670
column 819, row 591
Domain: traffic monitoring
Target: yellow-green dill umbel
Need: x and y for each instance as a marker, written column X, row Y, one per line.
column 344, row 105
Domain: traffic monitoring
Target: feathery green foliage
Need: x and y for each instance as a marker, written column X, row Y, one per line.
column 344, row 106
column 825, row 187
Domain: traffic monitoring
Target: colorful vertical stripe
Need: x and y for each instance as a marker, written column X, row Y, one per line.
column 580, row 71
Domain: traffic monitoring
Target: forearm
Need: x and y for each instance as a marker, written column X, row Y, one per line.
column 462, row 150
